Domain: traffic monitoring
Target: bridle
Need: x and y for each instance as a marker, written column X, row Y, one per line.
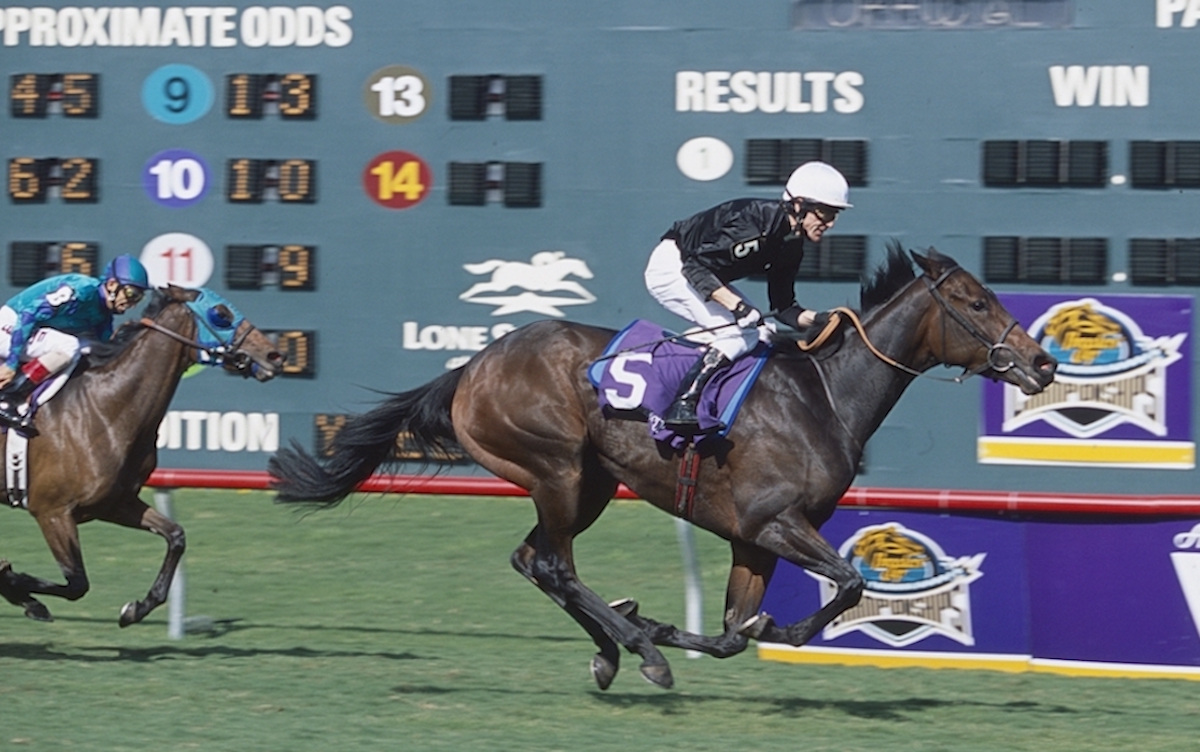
column 1001, row 356
column 225, row 353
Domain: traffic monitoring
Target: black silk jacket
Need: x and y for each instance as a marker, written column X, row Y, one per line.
column 736, row 239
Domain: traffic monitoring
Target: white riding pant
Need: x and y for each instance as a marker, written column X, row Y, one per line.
column 58, row 352
column 665, row 281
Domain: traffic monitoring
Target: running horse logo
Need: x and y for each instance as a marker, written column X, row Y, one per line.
column 546, row 272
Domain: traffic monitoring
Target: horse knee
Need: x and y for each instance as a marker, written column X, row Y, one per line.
column 77, row 587
column 850, row 590
column 730, row 647
column 177, row 540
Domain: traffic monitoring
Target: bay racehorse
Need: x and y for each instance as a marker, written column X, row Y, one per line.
column 98, row 436
column 524, row 409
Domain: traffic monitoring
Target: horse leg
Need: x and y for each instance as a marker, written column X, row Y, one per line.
column 12, row 591
column 137, row 514
column 752, row 569
column 553, row 569
column 793, row 537
column 62, row 537
column 605, row 663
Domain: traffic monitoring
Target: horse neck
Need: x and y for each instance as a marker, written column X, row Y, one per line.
column 142, row 380
column 863, row 387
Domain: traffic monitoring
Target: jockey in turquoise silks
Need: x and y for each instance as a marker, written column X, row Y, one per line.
column 41, row 327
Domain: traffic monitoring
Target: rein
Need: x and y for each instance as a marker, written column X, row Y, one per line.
column 216, row 354
column 676, row 337
column 993, row 347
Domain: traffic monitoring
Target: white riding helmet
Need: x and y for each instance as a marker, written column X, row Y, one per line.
column 820, row 183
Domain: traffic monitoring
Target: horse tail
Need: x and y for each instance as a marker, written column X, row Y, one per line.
column 366, row 442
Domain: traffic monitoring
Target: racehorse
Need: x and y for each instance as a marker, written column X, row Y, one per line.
column 98, row 436
column 524, row 409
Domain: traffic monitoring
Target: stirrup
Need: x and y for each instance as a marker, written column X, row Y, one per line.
column 23, row 423
column 682, row 414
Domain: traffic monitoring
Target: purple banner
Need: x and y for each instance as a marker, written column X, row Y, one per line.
column 1111, row 592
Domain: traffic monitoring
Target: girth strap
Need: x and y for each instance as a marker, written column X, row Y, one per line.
column 685, row 487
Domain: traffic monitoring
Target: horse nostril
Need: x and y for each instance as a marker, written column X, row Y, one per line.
column 1045, row 365
column 276, row 358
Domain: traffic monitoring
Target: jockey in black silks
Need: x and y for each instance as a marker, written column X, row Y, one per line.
column 691, row 269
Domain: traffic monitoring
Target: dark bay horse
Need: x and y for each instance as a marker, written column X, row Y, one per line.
column 98, row 436
column 524, row 409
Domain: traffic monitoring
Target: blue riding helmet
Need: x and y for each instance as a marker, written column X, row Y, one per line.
column 127, row 271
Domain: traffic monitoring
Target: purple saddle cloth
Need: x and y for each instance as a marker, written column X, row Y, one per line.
column 639, row 380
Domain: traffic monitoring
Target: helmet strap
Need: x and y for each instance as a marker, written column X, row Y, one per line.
column 110, row 295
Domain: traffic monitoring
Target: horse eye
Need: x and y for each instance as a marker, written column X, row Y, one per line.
column 979, row 305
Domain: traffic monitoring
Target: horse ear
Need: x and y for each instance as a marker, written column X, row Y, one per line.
column 933, row 264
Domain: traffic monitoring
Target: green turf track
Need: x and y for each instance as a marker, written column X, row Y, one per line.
column 397, row 624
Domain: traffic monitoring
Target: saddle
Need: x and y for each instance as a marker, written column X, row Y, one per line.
column 639, row 374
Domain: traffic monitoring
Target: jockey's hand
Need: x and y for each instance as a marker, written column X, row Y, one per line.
column 6, row 375
column 746, row 315
column 796, row 317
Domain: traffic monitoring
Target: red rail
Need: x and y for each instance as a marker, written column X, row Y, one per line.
column 895, row 498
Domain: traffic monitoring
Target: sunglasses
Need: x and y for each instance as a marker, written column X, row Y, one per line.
column 132, row 294
column 827, row 214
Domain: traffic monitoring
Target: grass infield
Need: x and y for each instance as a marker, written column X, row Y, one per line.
column 397, row 624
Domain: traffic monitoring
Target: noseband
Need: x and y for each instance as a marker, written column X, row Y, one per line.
column 225, row 351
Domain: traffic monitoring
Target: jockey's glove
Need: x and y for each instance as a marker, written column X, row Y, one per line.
column 795, row 317
column 746, row 315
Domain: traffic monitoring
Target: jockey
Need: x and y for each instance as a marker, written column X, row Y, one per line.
column 690, row 271
column 41, row 326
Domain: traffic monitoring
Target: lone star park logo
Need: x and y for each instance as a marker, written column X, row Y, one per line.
column 543, row 280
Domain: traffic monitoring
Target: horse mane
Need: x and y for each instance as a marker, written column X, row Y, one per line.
column 892, row 276
column 103, row 353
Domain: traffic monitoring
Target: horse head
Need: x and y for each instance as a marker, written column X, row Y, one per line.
column 223, row 336
column 969, row 327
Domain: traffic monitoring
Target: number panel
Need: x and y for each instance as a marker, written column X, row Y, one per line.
column 289, row 267
column 33, row 261
column 251, row 96
column 299, row 346
column 289, row 181
column 37, row 95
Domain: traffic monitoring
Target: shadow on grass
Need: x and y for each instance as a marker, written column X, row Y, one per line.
column 890, row 710
column 118, row 654
column 221, row 627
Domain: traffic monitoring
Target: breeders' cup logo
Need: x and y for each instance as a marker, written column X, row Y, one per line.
column 1109, row 373
column 1187, row 568
column 913, row 590
column 546, row 272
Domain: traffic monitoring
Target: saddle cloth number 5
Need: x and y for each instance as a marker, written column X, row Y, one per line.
column 635, row 381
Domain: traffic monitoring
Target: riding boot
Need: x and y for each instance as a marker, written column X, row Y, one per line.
column 682, row 412
column 12, row 396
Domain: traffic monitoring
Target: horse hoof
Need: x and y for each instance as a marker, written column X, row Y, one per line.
column 626, row 607
column 603, row 671
column 755, row 626
column 37, row 611
column 658, row 674
column 129, row 614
